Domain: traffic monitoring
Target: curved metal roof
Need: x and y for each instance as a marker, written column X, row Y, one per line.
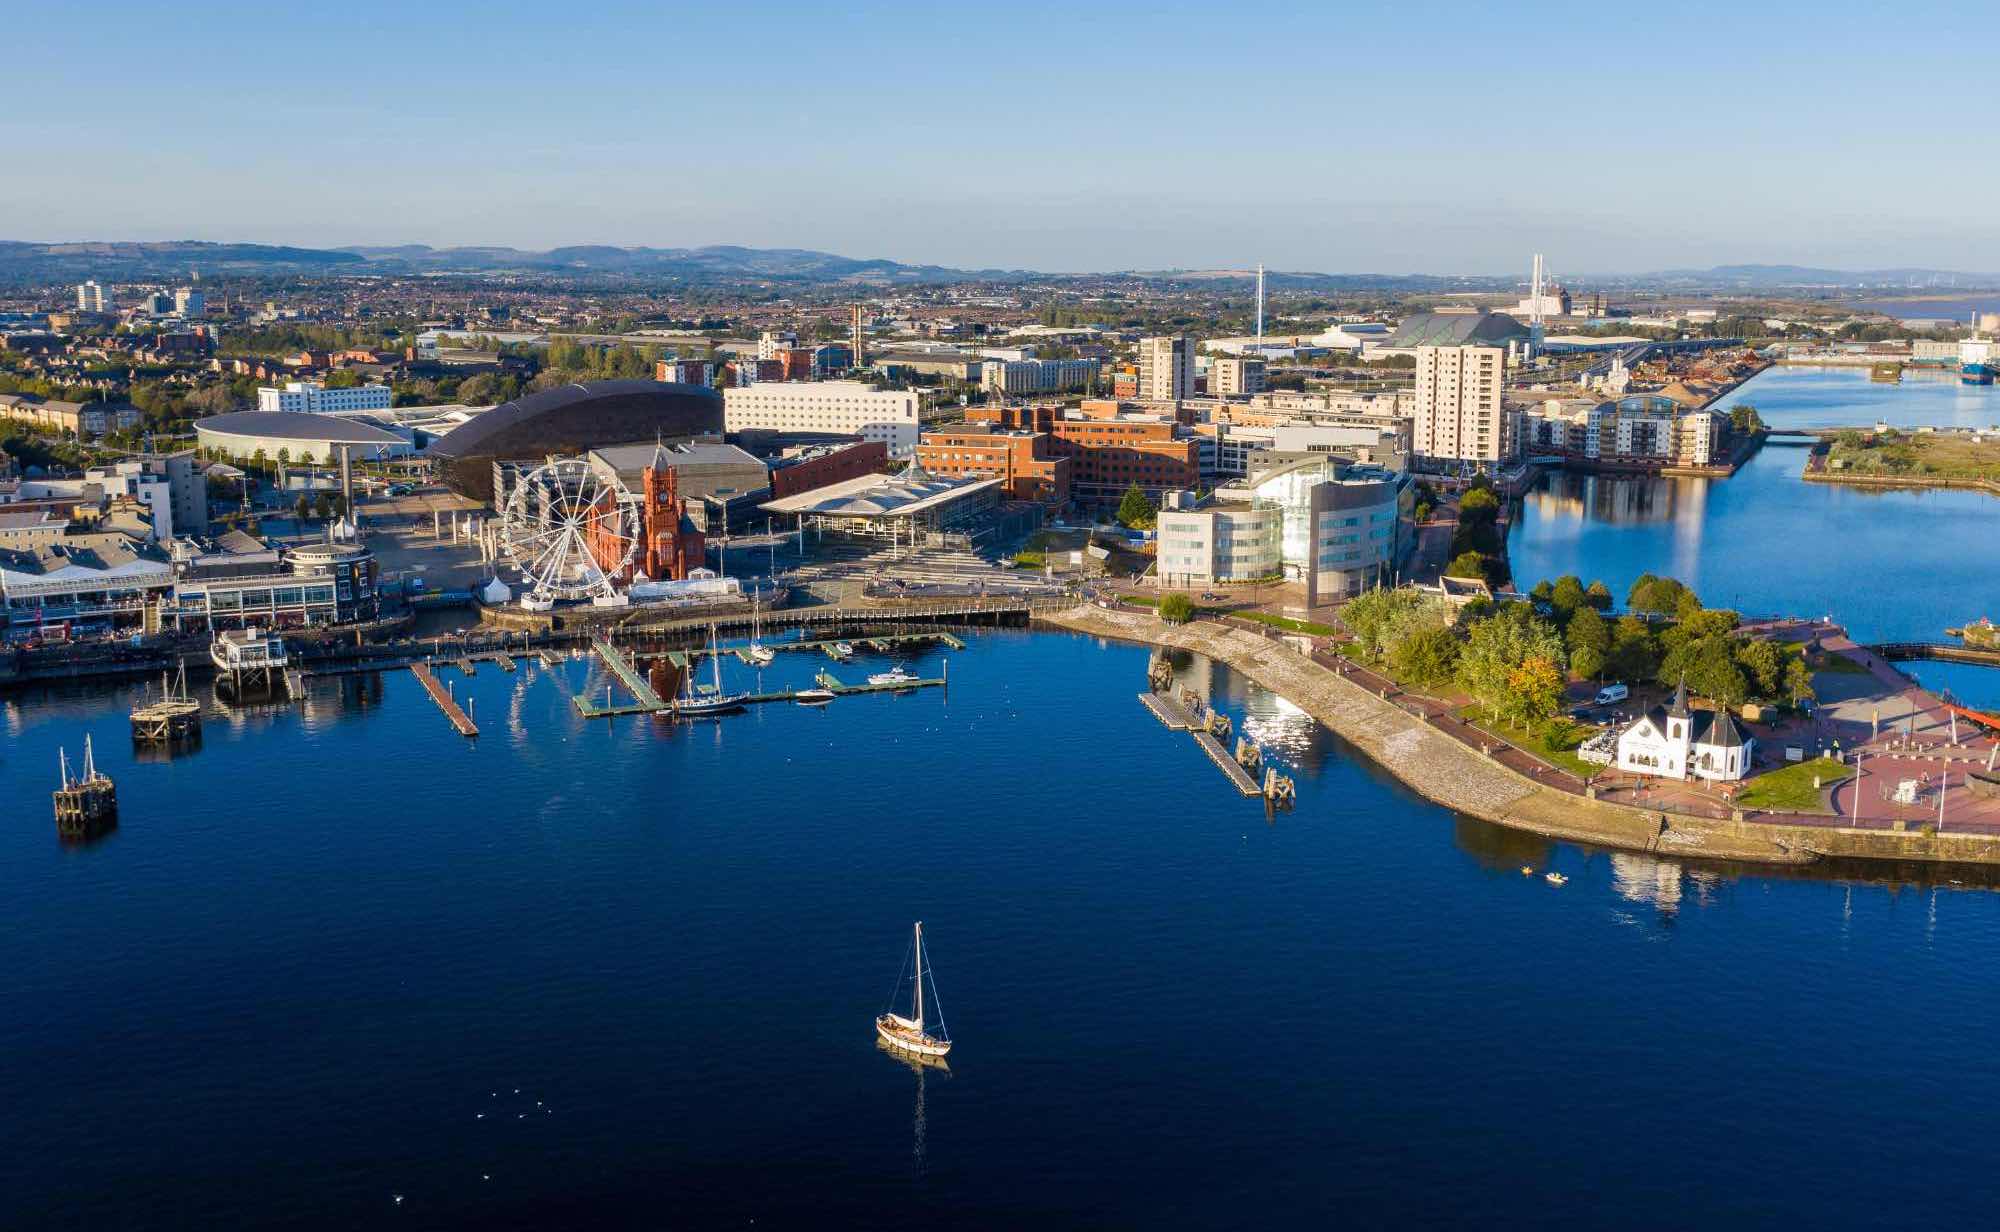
column 690, row 401
column 297, row 426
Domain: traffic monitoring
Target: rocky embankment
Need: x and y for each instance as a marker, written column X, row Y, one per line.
column 1433, row 764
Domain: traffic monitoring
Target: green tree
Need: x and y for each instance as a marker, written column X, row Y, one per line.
column 1177, row 609
column 1598, row 596
column 1566, row 596
column 1588, row 638
column 1798, row 681
column 322, row 506
column 1134, row 510
column 1498, row 650
column 1658, row 596
column 1426, row 658
column 1764, row 664
column 1634, row 655
column 1466, row 565
column 302, row 507
column 1371, row 614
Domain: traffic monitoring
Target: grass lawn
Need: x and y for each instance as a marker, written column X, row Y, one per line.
column 1288, row 624
column 1840, row 665
column 1139, row 600
column 1790, row 789
column 1554, row 742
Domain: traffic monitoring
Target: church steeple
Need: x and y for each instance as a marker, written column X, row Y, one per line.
column 1679, row 709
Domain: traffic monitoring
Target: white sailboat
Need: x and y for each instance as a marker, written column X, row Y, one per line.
column 757, row 652
column 691, row 702
column 914, row 1034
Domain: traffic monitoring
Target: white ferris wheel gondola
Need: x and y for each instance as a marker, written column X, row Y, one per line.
column 555, row 515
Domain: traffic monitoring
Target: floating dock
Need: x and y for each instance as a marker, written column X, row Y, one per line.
column 644, row 699
column 445, row 701
column 831, row 683
column 1168, row 711
column 1209, row 729
column 1220, row 756
column 885, row 644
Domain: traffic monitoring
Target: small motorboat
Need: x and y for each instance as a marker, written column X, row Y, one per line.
column 843, row 650
column 912, row 1034
column 897, row 676
column 1527, row 870
column 1555, row 879
column 813, row 697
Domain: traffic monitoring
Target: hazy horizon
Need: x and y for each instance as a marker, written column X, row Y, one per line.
column 1455, row 140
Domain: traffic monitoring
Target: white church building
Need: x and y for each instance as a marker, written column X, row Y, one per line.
column 1675, row 742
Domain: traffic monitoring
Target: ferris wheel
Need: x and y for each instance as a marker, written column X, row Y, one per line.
column 571, row 530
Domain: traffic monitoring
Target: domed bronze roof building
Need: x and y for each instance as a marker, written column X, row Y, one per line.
column 571, row 419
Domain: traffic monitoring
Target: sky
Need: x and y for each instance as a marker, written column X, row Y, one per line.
column 1433, row 137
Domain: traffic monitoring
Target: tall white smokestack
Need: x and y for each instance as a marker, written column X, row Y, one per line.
column 1260, row 303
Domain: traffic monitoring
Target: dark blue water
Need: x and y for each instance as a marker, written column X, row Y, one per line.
column 1953, row 308
column 623, row 975
column 1891, row 565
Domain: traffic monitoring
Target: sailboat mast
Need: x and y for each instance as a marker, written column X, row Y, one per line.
column 715, row 658
column 919, row 1015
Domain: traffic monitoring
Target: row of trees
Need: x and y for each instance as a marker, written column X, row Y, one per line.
column 1667, row 636
column 1514, row 659
column 1477, row 548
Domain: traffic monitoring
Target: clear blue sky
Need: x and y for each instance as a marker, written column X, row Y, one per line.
column 1390, row 137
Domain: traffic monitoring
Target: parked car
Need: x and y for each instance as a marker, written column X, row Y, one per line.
column 1612, row 693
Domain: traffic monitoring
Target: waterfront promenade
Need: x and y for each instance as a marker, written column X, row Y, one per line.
column 1429, row 747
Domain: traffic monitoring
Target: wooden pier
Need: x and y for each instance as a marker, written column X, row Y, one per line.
column 1210, row 729
column 644, row 699
column 832, row 683
column 1169, row 711
column 883, row 644
column 506, row 662
column 445, row 701
column 1220, row 756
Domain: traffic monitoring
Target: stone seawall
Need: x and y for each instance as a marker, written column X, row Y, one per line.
column 1461, row 778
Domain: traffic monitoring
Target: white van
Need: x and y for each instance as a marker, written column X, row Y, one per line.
column 1611, row 693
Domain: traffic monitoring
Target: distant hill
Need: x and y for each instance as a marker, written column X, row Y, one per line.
column 715, row 262
column 22, row 262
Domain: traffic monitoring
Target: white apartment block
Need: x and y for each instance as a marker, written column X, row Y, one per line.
column 315, row 398
column 1223, row 543
column 770, row 342
column 1037, row 376
column 1166, row 368
column 849, row 408
column 1230, row 375
column 90, row 297
column 1460, row 417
